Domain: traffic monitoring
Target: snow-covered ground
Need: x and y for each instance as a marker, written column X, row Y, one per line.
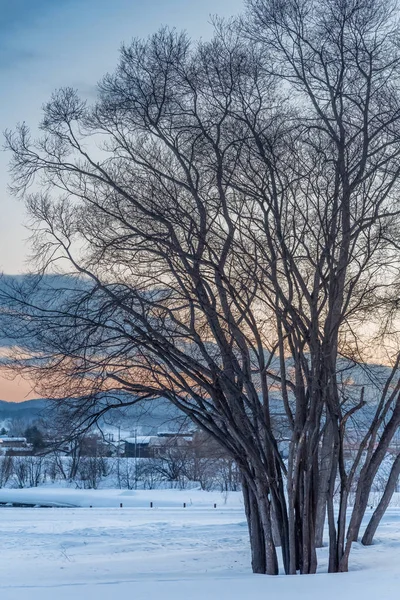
column 112, row 498
column 167, row 552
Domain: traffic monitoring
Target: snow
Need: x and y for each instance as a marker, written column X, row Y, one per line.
column 167, row 552
column 143, row 440
column 111, row 498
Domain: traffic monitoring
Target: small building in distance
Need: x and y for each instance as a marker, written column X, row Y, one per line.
column 14, row 446
column 154, row 446
column 138, row 447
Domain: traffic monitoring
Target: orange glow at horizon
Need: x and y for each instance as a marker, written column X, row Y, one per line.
column 16, row 390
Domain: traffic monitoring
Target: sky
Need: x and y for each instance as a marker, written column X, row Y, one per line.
column 46, row 44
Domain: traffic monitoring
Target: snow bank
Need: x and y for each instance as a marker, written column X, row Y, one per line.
column 112, row 498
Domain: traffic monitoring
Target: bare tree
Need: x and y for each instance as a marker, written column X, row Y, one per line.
column 230, row 211
column 338, row 60
column 380, row 510
column 6, row 470
column 20, row 471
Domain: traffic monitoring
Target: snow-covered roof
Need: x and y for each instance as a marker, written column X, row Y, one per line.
column 143, row 440
column 155, row 440
column 175, row 434
column 12, row 439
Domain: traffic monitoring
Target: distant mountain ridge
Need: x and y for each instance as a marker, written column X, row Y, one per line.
column 148, row 417
column 28, row 410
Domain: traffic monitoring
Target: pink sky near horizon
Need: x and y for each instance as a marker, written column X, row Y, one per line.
column 16, row 390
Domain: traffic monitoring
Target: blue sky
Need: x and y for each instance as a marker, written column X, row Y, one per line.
column 45, row 44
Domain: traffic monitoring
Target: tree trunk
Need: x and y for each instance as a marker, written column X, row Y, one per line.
column 368, row 473
column 309, row 555
column 380, row 510
column 256, row 533
column 280, row 525
column 323, row 487
column 320, row 520
column 264, row 509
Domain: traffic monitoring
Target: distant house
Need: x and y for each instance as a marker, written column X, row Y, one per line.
column 138, row 447
column 152, row 446
column 175, row 434
column 14, row 446
column 13, row 442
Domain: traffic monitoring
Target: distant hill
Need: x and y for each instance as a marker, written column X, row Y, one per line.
column 160, row 414
column 26, row 411
column 153, row 415
column 147, row 417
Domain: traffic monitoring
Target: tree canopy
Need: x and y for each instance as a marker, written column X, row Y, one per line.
column 231, row 209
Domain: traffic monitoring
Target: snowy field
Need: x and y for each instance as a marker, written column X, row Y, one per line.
column 167, row 552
